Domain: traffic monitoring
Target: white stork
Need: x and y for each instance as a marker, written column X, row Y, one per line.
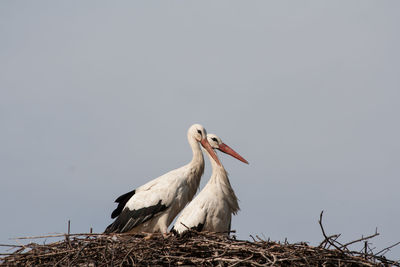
column 152, row 207
column 213, row 207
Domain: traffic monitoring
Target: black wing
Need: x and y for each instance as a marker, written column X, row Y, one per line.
column 121, row 200
column 128, row 219
column 197, row 228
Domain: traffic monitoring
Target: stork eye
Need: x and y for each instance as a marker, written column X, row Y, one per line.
column 214, row 139
column 199, row 132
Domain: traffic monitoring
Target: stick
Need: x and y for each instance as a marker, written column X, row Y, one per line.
column 359, row 240
column 323, row 232
column 387, row 249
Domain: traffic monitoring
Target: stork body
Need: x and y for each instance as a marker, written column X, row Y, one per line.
column 152, row 206
column 213, row 207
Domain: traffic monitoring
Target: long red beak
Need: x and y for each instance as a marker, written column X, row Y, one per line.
column 226, row 149
column 208, row 147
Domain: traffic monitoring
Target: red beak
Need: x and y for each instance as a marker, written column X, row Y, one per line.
column 226, row 149
column 211, row 151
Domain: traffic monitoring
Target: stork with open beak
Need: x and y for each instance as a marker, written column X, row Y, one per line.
column 152, row 207
column 212, row 208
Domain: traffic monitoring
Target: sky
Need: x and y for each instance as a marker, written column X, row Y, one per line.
column 96, row 98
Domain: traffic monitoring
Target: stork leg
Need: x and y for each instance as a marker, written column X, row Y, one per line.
column 148, row 236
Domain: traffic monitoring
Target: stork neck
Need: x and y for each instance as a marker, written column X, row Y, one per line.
column 219, row 177
column 217, row 170
column 196, row 167
column 198, row 158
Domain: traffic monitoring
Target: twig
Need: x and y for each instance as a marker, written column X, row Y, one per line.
column 387, row 249
column 61, row 235
column 359, row 240
column 323, row 232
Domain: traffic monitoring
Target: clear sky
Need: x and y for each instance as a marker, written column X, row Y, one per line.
column 96, row 98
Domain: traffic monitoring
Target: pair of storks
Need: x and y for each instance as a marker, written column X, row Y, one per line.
column 153, row 206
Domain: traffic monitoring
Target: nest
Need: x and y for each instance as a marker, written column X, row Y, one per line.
column 191, row 249
column 205, row 249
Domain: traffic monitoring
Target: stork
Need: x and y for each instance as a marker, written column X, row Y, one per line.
column 152, row 207
column 213, row 207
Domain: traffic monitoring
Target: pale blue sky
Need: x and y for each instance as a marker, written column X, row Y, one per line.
column 96, row 98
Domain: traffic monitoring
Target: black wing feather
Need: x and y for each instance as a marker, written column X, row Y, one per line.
column 121, row 200
column 197, row 228
column 128, row 219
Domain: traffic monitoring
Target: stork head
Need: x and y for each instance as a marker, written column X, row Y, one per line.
column 216, row 143
column 198, row 133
